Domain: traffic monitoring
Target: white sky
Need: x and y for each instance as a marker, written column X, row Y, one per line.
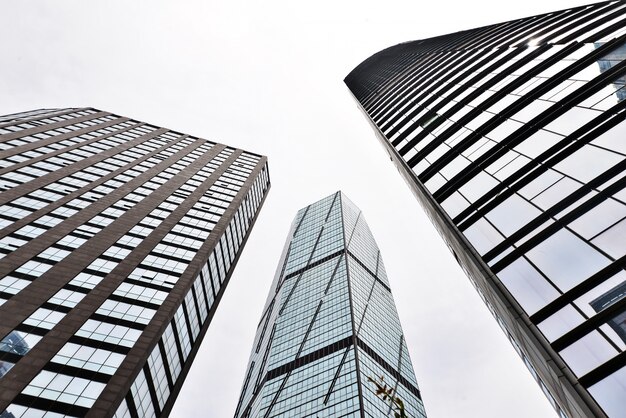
column 267, row 77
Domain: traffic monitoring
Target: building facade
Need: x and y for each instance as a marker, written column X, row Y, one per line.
column 328, row 325
column 512, row 137
column 117, row 240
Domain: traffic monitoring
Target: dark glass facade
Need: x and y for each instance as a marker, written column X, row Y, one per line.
column 329, row 323
column 512, row 137
column 117, row 240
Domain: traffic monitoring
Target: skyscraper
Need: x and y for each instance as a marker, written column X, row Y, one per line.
column 512, row 138
column 117, row 241
column 328, row 325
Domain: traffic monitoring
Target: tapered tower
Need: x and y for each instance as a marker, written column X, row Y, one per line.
column 328, row 325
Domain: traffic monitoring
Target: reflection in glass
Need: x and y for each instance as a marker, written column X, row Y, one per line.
column 618, row 323
column 610, row 60
column 14, row 343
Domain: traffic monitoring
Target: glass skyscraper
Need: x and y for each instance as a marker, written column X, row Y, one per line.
column 328, row 325
column 512, row 137
column 117, row 240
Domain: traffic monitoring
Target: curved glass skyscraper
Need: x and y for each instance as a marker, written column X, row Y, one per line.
column 512, row 137
column 328, row 325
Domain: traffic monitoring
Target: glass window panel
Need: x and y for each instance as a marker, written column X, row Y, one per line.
column 5, row 366
column 512, row 167
column 541, row 183
column 480, row 184
column 566, row 259
column 561, row 322
column 613, row 139
column 588, row 353
column 532, row 110
column 455, row 204
column 588, row 163
column 611, row 393
column 483, row 236
column 504, row 130
column 539, row 142
column 435, row 182
column 572, row 120
column 599, row 218
column 512, row 214
column 613, row 240
column 555, row 193
column 455, row 167
column 528, row 287
column 502, row 161
column 18, row 343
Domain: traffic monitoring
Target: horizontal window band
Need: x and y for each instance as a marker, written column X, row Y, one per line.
column 586, row 14
column 137, row 302
column 552, row 21
column 118, row 321
column 6, row 295
column 147, row 285
column 574, row 214
column 116, row 348
column 314, row 264
column 10, row 357
column 404, row 91
column 494, row 122
column 541, row 164
column 24, row 276
column 78, row 289
column 179, row 234
column 462, row 86
column 161, row 254
column 56, row 307
column 309, row 358
column 562, row 222
column 443, row 82
column 594, row 24
column 528, row 129
column 333, row 348
column 68, row 370
column 441, row 63
column 29, row 329
column 50, row 405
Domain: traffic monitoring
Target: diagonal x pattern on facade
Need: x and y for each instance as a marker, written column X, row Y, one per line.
column 329, row 323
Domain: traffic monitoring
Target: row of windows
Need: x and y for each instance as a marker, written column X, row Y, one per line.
column 180, row 336
column 60, row 119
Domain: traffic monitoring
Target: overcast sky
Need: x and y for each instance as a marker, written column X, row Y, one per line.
column 267, row 76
